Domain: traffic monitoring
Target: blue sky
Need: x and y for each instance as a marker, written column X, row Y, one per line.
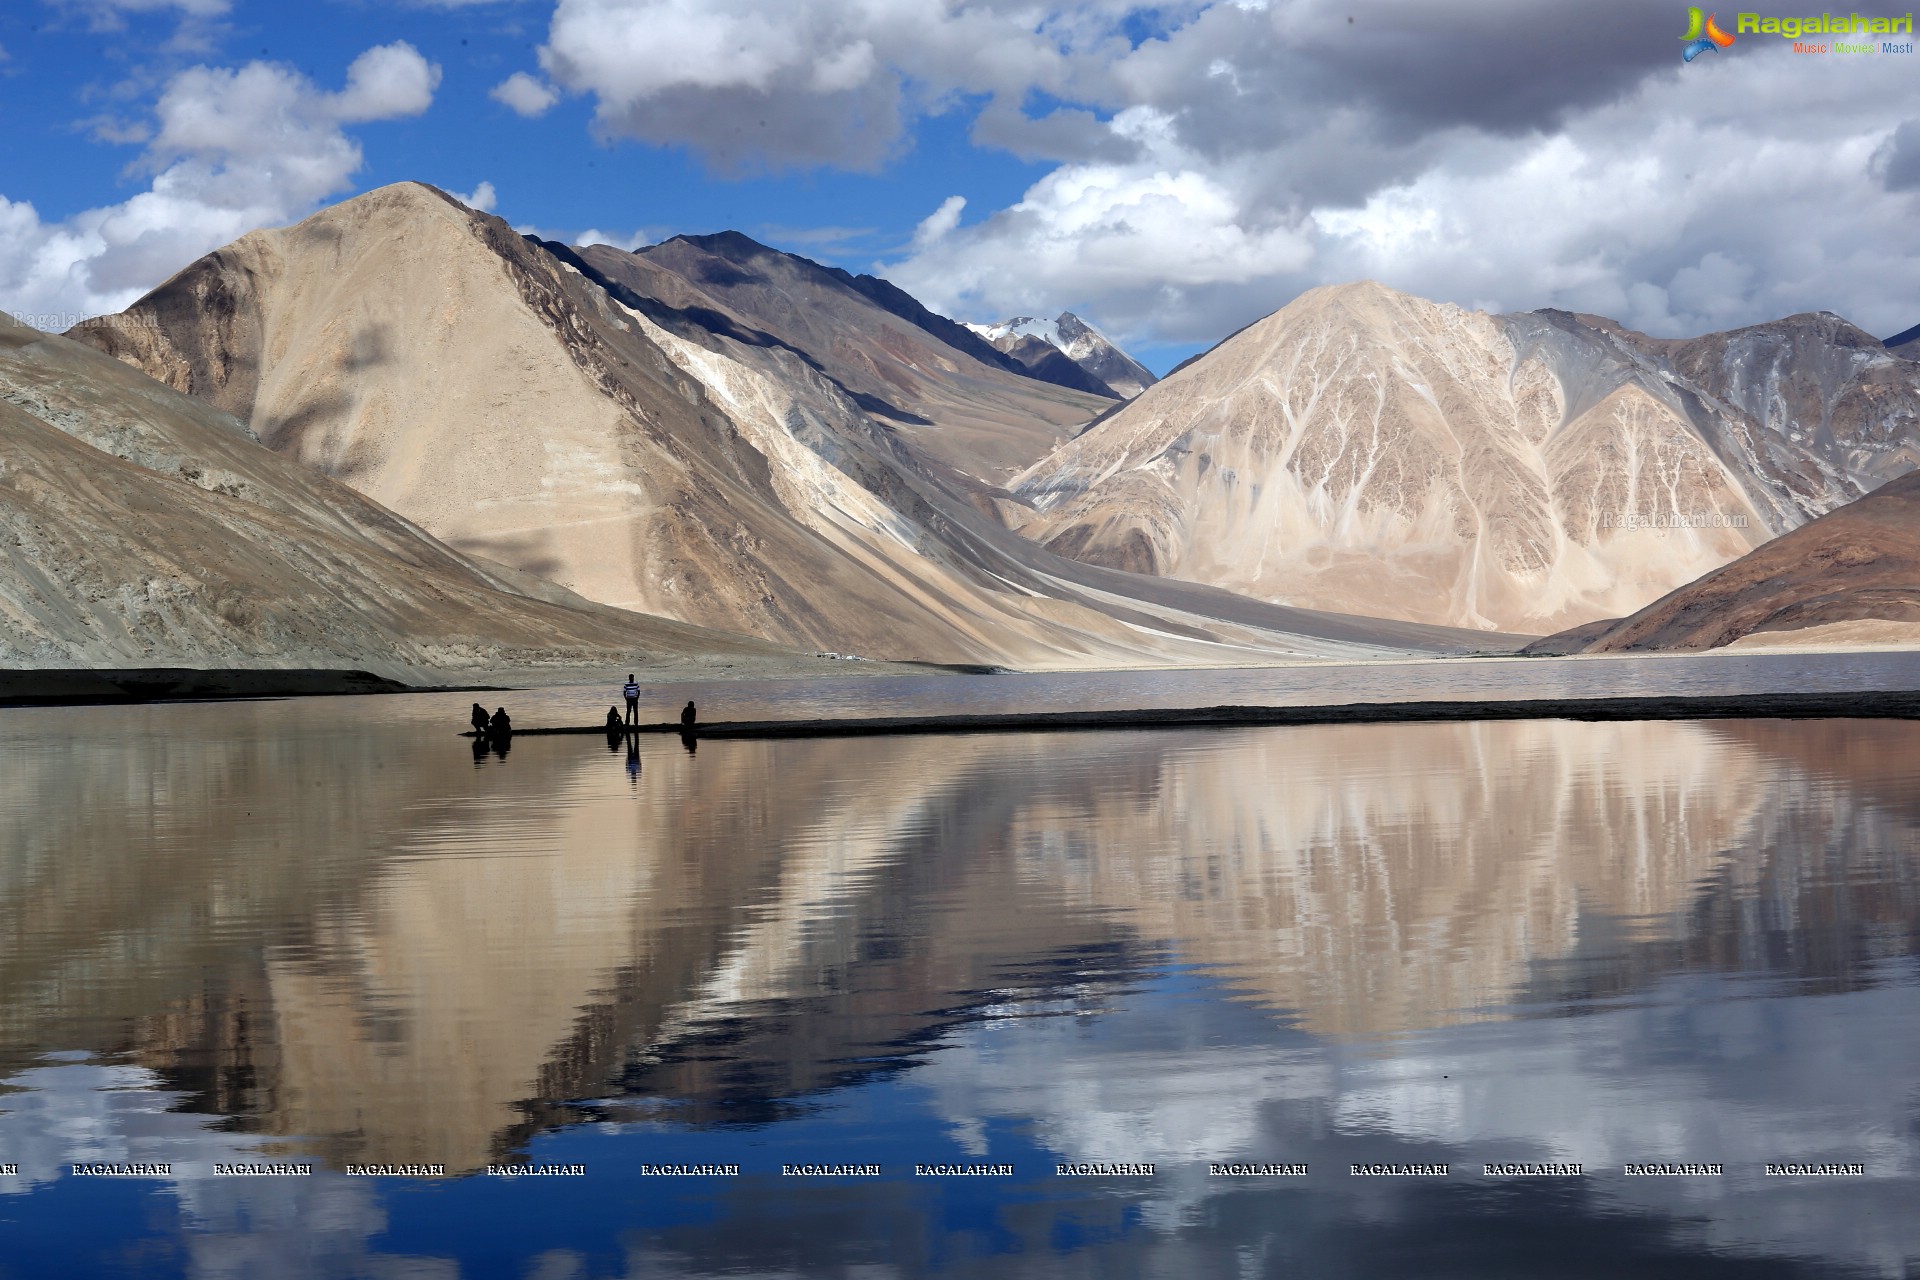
column 63, row 76
column 71, row 69
column 1171, row 172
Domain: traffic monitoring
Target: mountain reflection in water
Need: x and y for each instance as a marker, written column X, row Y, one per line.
column 1330, row 943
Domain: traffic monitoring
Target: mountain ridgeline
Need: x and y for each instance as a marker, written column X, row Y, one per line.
column 708, row 431
column 143, row 528
column 1365, row 451
column 1071, row 352
column 712, row 431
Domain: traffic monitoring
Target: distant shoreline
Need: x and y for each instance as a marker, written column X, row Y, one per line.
column 1903, row 704
column 61, row 687
column 90, row 687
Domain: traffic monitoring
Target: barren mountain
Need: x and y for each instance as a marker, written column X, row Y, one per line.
column 1050, row 364
column 1369, row 452
column 650, row 449
column 1906, row 343
column 1040, row 345
column 1853, row 575
column 142, row 528
column 933, row 381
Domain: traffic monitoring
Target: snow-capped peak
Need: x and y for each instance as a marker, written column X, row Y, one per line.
column 1047, row 331
column 1080, row 342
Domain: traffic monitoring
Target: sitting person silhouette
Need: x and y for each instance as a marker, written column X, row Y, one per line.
column 479, row 720
column 614, row 724
column 501, row 726
column 686, row 716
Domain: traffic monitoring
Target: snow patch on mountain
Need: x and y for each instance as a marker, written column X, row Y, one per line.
column 1048, row 331
column 1095, row 353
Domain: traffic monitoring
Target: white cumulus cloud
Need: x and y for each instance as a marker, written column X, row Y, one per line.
column 939, row 224
column 1255, row 161
column 525, row 95
column 1212, row 158
column 1684, row 207
column 482, row 198
column 387, row 82
column 232, row 149
column 1129, row 234
column 809, row 82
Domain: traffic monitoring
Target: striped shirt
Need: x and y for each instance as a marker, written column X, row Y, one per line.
column 632, row 690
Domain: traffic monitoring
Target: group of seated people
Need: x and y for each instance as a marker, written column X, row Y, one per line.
column 500, row 725
column 616, row 724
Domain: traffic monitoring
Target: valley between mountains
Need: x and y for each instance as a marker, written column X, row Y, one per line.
column 402, row 437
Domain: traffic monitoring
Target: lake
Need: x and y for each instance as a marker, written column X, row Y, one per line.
column 286, row 985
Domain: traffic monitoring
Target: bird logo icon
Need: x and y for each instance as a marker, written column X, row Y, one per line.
column 1703, row 33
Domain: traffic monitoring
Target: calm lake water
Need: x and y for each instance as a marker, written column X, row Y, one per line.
column 327, row 933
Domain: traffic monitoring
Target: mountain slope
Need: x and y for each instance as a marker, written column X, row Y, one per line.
column 140, row 527
column 1038, row 344
column 652, row 451
column 1906, row 343
column 937, row 384
column 1365, row 451
column 1050, row 364
column 1851, row 575
column 429, row 358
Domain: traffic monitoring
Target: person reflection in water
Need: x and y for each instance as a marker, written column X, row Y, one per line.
column 479, row 749
column 691, row 743
column 633, row 759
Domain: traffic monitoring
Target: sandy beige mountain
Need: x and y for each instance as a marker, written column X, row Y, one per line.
column 664, row 459
column 1365, row 451
column 143, row 528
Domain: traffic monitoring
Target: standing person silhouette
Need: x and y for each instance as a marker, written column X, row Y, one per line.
column 632, row 695
column 686, row 717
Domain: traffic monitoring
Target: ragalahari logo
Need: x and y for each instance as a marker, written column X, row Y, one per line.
column 1703, row 33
